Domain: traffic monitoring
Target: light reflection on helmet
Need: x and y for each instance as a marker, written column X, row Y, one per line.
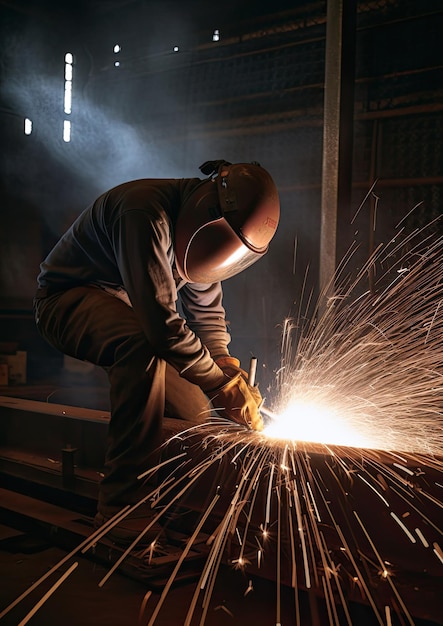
column 227, row 222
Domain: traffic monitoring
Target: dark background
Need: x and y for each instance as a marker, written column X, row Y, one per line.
column 256, row 94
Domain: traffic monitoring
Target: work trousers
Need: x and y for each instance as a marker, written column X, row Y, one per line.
column 90, row 324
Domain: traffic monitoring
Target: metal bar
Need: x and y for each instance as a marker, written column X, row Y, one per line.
column 252, row 371
column 337, row 135
column 68, row 466
column 381, row 182
column 61, row 410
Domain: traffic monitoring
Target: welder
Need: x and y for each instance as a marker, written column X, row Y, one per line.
column 134, row 286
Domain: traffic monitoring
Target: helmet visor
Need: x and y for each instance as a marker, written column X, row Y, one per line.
column 216, row 253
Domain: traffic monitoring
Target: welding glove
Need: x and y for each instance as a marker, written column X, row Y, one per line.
column 239, row 402
column 231, row 367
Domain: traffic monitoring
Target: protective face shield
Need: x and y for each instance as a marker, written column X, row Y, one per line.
column 226, row 223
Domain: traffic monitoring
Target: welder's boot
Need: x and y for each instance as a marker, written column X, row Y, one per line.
column 133, row 526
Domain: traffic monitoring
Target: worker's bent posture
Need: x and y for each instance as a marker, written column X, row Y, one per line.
column 107, row 293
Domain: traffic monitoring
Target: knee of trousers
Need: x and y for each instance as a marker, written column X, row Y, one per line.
column 136, row 349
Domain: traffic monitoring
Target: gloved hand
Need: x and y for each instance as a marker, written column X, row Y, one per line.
column 231, row 366
column 239, row 402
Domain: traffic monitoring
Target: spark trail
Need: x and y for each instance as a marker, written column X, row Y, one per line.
column 341, row 495
column 342, row 492
column 372, row 361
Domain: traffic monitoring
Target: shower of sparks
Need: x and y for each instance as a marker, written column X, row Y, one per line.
column 341, row 495
column 368, row 371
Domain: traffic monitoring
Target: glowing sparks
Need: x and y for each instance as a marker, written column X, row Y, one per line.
column 438, row 552
column 302, row 421
column 368, row 370
column 323, row 498
column 287, row 510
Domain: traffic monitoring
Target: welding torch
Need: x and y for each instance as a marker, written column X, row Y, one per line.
column 267, row 413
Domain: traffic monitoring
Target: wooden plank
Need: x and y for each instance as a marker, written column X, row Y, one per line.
column 61, row 410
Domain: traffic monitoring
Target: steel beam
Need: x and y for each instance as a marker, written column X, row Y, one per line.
column 337, row 137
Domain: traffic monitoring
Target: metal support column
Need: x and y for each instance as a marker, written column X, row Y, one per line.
column 337, row 139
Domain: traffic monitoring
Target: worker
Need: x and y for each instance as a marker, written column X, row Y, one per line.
column 134, row 286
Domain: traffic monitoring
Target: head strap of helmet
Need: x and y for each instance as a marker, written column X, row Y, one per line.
column 212, row 168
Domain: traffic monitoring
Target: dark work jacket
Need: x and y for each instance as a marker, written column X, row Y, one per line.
column 124, row 240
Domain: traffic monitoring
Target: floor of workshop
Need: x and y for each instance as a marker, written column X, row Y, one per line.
column 79, row 600
column 238, row 597
column 26, row 556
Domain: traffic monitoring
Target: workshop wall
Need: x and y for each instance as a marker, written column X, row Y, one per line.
column 191, row 83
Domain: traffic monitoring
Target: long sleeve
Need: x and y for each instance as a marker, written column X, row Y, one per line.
column 143, row 246
column 205, row 315
column 124, row 239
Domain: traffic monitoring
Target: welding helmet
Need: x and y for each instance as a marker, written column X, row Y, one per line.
column 226, row 223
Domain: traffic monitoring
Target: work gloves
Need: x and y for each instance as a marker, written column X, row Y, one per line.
column 231, row 366
column 235, row 399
